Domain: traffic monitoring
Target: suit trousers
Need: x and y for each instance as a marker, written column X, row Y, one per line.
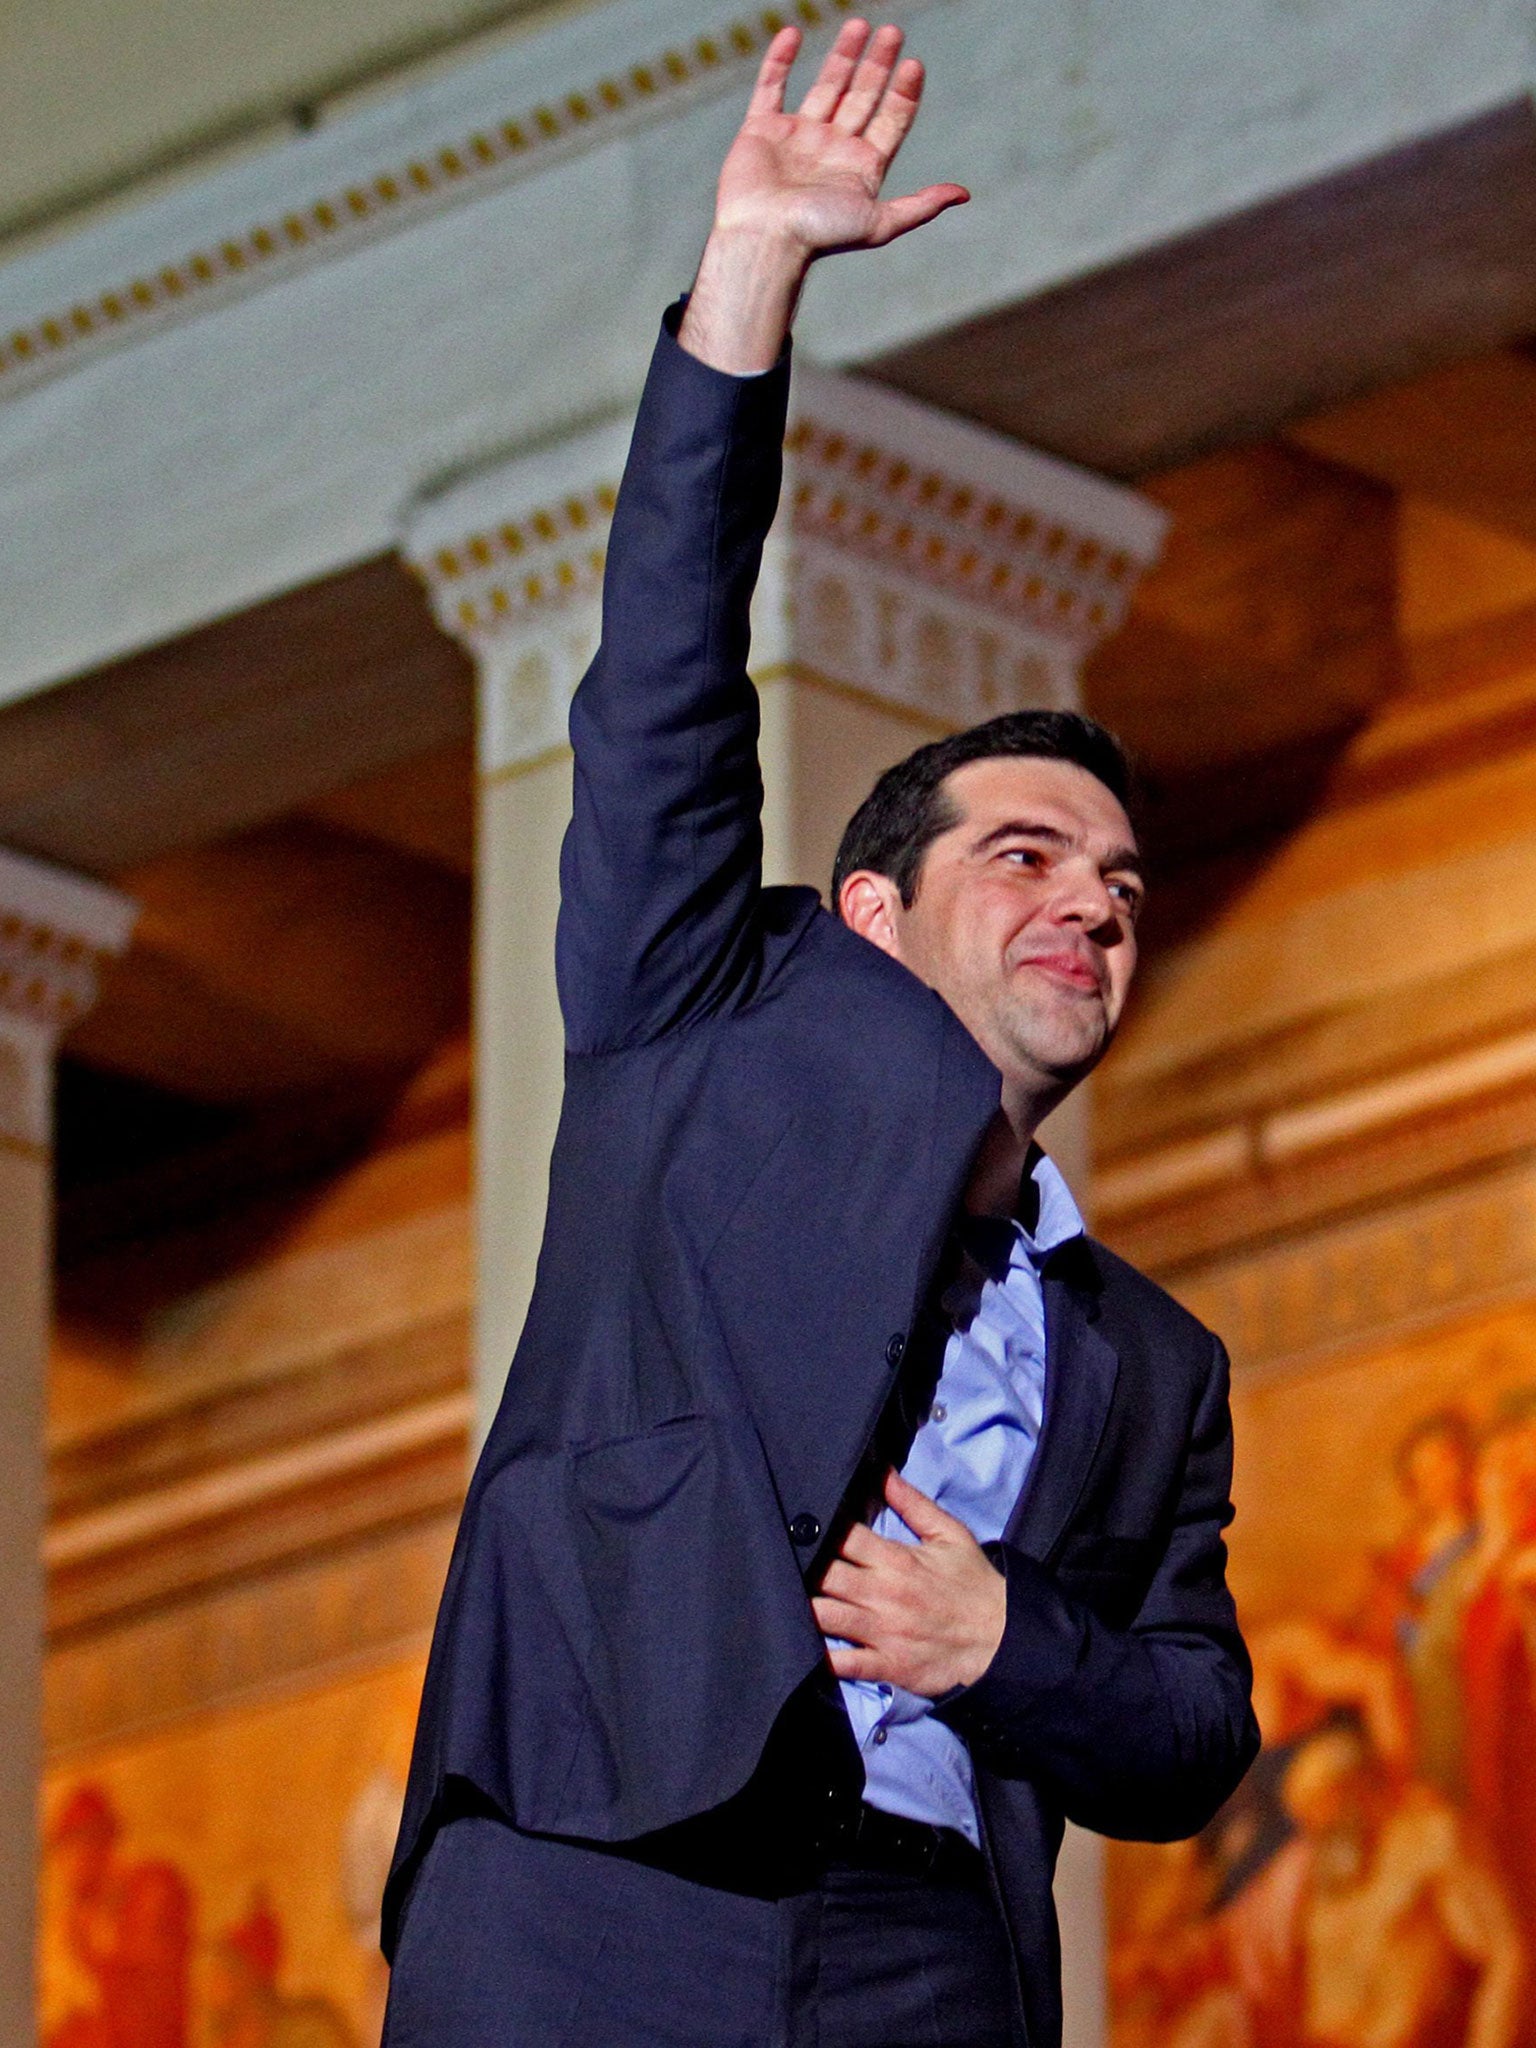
column 512, row 1940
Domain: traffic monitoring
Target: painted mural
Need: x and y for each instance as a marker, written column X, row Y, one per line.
column 217, row 1886
column 1373, row 1884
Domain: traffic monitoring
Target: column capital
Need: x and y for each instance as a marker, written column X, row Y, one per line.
column 941, row 567
column 55, row 929
column 917, row 560
column 512, row 562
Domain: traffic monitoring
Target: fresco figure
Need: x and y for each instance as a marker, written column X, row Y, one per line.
column 1422, row 1588
column 246, row 2007
column 1499, row 1656
column 1171, row 1974
column 1406, row 1935
column 1372, row 1883
column 125, row 1928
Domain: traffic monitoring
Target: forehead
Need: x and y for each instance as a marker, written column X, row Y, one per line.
column 1027, row 788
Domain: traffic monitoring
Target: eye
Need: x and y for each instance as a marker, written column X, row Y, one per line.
column 1024, row 856
column 1129, row 895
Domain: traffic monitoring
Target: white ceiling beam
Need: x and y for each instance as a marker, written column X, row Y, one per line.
column 215, row 440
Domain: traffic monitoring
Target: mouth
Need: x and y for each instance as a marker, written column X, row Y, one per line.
column 1070, row 970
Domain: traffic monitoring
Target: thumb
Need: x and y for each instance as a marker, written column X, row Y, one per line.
column 924, row 1517
column 900, row 216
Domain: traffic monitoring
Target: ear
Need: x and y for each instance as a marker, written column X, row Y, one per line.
column 871, row 905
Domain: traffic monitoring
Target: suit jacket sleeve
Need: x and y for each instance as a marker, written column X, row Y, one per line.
column 1142, row 1732
column 661, row 869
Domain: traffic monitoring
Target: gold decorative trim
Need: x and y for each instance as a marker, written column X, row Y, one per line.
column 980, row 545
column 45, row 974
column 495, row 579
column 489, row 156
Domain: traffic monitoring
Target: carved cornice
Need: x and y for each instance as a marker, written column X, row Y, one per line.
column 916, row 559
column 1047, row 546
column 55, row 928
column 462, row 166
column 275, row 1498
column 512, row 562
column 252, row 1635
column 1306, row 1130
column 1368, row 1282
column 944, row 568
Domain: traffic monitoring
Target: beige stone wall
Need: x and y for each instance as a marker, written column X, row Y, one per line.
column 519, row 1041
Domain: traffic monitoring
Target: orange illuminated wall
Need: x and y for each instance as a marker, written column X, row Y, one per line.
column 258, row 1448
column 1319, row 1130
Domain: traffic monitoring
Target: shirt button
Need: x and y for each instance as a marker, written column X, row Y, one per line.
column 880, row 1736
column 804, row 1529
column 938, row 1412
column 895, row 1349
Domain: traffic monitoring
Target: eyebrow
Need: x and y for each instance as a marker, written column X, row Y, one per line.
column 1119, row 857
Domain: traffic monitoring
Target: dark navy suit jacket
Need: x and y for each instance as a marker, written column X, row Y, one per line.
column 766, row 1130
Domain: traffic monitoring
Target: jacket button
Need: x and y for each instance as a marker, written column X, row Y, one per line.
column 895, row 1349
column 804, row 1529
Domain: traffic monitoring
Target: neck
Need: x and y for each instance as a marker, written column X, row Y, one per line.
column 993, row 1188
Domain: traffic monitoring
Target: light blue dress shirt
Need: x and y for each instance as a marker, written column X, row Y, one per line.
column 972, row 1455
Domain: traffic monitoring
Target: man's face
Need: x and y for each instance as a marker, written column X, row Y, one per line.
column 1025, row 916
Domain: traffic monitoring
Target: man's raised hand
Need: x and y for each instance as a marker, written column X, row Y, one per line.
column 796, row 186
column 813, row 179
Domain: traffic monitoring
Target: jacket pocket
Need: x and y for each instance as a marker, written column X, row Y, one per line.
column 700, row 1624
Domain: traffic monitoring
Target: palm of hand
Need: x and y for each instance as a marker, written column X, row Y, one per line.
column 802, row 178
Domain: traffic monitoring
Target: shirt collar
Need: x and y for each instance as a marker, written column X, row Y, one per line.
column 1045, row 1218
column 1057, row 1218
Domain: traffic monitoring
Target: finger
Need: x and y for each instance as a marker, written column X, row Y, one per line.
column 867, row 87
column 900, row 216
column 887, row 131
column 842, row 60
column 840, row 1618
column 843, row 1581
column 924, row 1517
column 773, row 73
column 857, row 1664
column 862, row 1546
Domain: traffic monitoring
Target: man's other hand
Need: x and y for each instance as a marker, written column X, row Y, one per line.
column 926, row 1616
column 795, row 186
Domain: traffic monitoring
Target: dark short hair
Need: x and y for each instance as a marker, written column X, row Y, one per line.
column 909, row 806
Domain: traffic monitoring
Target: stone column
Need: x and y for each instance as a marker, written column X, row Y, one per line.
column 923, row 575
column 53, row 929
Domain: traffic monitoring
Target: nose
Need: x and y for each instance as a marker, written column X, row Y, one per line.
column 1084, row 901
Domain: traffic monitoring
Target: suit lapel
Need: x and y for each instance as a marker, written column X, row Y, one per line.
column 1081, row 1369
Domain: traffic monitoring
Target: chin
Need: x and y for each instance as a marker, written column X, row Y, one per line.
column 1066, row 1056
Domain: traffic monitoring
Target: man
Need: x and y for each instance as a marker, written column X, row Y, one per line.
column 717, row 1747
